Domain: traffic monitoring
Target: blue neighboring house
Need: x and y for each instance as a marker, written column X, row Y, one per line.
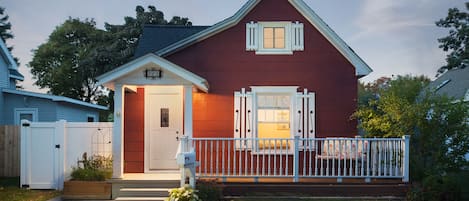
column 16, row 105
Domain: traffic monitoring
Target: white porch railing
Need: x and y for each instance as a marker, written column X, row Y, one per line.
column 296, row 158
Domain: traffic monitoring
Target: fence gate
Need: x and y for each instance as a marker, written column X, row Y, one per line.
column 40, row 155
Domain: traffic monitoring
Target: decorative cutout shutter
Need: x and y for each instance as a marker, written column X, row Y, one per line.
column 297, row 36
column 243, row 117
column 252, row 36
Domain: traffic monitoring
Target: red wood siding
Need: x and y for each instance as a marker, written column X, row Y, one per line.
column 134, row 131
column 228, row 67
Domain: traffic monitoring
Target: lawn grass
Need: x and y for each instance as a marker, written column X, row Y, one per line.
column 9, row 190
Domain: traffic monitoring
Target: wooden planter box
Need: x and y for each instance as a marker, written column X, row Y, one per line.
column 87, row 190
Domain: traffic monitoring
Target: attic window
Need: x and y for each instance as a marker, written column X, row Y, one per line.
column 274, row 37
column 442, row 84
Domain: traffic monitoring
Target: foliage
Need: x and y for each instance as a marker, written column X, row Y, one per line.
column 77, row 52
column 93, row 168
column 185, row 193
column 5, row 26
column 457, row 41
column 58, row 65
column 386, row 108
column 209, row 190
column 5, row 30
column 438, row 128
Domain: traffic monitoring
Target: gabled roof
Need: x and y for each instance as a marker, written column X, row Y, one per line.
column 361, row 68
column 453, row 83
column 108, row 79
column 54, row 98
column 12, row 66
column 156, row 37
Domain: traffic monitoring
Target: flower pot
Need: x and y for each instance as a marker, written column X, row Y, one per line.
column 87, row 190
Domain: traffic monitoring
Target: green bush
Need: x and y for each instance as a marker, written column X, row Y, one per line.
column 185, row 193
column 209, row 190
column 437, row 188
column 94, row 168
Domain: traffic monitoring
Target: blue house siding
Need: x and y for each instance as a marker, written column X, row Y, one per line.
column 46, row 109
column 75, row 113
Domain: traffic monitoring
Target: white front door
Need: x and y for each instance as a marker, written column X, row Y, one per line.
column 163, row 126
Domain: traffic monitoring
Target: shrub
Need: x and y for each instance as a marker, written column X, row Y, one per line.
column 209, row 190
column 185, row 193
column 93, row 168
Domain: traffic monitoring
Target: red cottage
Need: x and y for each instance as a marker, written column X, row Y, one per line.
column 266, row 93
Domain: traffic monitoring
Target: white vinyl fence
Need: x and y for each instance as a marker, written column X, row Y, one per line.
column 297, row 158
column 49, row 150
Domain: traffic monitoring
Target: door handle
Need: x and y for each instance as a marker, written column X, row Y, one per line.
column 177, row 138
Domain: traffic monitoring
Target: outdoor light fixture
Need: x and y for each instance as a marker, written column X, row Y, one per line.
column 152, row 73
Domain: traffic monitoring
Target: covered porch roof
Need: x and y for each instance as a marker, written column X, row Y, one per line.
column 132, row 73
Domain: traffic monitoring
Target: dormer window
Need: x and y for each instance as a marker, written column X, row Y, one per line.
column 274, row 37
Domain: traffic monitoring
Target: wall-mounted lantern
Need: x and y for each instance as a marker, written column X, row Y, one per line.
column 152, row 74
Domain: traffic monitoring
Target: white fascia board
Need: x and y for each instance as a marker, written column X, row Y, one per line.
column 109, row 78
column 216, row 28
column 361, row 68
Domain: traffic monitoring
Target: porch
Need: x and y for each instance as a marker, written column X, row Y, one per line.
column 356, row 160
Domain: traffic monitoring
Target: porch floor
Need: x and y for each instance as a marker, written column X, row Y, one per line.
column 154, row 176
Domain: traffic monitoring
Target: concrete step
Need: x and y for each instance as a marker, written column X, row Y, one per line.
column 144, row 192
column 142, row 189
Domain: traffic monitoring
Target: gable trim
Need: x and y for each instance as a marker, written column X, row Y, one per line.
column 108, row 79
column 361, row 68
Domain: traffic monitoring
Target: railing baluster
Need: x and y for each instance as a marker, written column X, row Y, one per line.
column 223, row 158
column 229, row 157
column 217, row 151
column 269, row 155
column 275, row 156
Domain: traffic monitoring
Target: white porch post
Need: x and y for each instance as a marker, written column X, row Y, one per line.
column 188, row 111
column 117, row 133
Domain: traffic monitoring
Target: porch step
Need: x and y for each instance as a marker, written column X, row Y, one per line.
column 142, row 189
column 315, row 190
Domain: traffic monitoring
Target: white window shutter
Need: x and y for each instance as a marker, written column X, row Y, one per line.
column 297, row 36
column 243, row 118
column 298, row 116
column 252, row 36
column 311, row 115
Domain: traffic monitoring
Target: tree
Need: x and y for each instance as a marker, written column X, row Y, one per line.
column 58, row 63
column 5, row 30
column 5, row 26
column 437, row 125
column 77, row 52
column 457, row 41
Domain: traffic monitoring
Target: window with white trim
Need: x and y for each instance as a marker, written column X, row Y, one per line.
column 274, row 37
column 274, row 112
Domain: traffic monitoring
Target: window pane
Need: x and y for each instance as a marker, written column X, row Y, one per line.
column 268, row 37
column 273, row 116
column 279, row 35
column 164, row 119
column 28, row 117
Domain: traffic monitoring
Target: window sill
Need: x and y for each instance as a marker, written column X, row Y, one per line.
column 274, row 52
